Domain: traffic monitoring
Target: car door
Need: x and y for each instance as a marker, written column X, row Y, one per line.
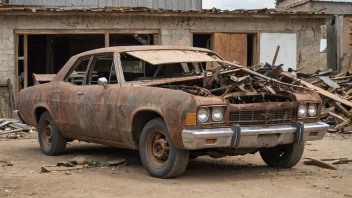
column 65, row 97
column 96, row 105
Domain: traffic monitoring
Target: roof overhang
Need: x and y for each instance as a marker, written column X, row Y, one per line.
column 303, row 2
column 9, row 10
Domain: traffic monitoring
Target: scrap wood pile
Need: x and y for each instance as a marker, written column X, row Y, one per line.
column 13, row 129
column 336, row 92
column 334, row 89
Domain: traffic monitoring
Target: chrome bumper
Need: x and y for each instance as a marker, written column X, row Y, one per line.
column 253, row 137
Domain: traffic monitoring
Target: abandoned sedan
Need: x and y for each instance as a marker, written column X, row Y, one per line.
column 172, row 104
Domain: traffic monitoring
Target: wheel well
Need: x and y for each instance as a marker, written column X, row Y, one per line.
column 140, row 120
column 38, row 113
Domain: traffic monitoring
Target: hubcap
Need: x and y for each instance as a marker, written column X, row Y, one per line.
column 157, row 148
column 47, row 132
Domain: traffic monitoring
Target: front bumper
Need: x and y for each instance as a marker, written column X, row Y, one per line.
column 254, row 136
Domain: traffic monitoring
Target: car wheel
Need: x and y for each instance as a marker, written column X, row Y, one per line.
column 158, row 154
column 283, row 156
column 50, row 139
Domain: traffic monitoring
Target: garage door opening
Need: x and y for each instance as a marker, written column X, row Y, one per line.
column 131, row 39
column 232, row 47
column 48, row 53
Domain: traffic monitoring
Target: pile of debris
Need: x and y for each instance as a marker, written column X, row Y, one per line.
column 336, row 92
column 13, row 129
column 80, row 162
column 334, row 89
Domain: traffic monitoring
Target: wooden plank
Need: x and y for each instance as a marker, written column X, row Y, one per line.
column 239, row 48
column 231, row 47
column 337, row 116
column 132, row 31
column 17, row 88
column 320, row 90
column 276, row 54
column 331, row 44
column 11, row 95
column 3, row 115
column 256, row 49
column 46, row 169
column 12, row 131
column 57, row 31
column 78, row 31
column 25, row 61
column 107, row 39
column 339, row 29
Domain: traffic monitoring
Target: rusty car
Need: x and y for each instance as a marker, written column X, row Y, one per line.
column 172, row 104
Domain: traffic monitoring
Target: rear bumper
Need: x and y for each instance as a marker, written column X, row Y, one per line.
column 253, row 137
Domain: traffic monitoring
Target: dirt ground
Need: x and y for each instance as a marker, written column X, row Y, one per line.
column 242, row 176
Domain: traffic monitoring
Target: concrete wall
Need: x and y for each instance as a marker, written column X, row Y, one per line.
column 173, row 31
column 346, row 62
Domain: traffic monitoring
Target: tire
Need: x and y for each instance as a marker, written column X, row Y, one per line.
column 284, row 156
column 158, row 154
column 50, row 139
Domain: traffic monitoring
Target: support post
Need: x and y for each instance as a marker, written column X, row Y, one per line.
column 25, row 61
column 107, row 38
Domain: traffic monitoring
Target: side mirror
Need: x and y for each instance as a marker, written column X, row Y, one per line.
column 102, row 81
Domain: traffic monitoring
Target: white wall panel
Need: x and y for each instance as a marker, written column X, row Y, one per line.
column 288, row 49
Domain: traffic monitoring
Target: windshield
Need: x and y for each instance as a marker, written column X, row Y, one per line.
column 151, row 65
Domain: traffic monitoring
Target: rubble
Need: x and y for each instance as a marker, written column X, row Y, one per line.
column 336, row 92
column 334, row 89
column 13, row 128
column 80, row 162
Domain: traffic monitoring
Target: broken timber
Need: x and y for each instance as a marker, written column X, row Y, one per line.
column 320, row 90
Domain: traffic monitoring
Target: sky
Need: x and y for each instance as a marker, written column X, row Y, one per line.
column 242, row 4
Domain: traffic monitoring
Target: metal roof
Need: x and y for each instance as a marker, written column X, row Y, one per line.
column 41, row 10
column 302, row 2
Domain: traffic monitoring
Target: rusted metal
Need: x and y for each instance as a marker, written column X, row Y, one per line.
column 39, row 78
column 115, row 114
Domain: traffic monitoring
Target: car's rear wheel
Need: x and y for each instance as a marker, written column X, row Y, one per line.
column 50, row 139
column 158, row 154
column 283, row 156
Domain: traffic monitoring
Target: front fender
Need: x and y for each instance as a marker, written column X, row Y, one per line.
column 171, row 105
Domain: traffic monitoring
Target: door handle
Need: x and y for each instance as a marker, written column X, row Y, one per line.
column 80, row 93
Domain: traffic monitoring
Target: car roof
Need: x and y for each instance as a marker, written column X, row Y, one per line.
column 120, row 49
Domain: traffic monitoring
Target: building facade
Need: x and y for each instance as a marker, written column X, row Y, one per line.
column 338, row 30
column 41, row 39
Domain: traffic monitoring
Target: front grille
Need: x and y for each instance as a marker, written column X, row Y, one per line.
column 270, row 117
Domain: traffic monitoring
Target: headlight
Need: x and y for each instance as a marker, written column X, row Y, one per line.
column 203, row 115
column 312, row 110
column 302, row 110
column 218, row 114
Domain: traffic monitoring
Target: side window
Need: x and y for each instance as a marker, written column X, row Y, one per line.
column 78, row 71
column 102, row 66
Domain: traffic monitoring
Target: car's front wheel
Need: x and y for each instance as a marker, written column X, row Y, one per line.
column 283, row 156
column 50, row 139
column 158, row 154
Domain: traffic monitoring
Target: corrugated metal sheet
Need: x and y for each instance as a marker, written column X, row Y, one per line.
column 162, row 4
